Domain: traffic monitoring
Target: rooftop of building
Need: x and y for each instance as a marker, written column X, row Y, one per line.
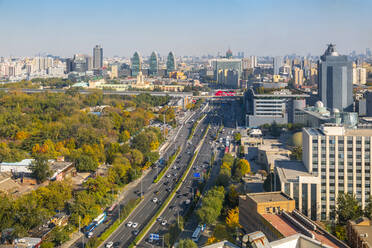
column 289, row 170
column 363, row 227
column 297, row 241
column 222, row 244
column 274, row 92
column 269, row 197
column 339, row 130
column 287, row 229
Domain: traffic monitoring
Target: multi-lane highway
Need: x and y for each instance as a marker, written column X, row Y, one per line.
column 147, row 181
column 124, row 235
column 180, row 203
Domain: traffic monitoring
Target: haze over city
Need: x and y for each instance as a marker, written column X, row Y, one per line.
column 186, row 124
column 190, row 27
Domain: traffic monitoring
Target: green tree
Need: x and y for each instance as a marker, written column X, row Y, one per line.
column 47, row 244
column 86, row 163
column 347, row 208
column 232, row 198
column 40, row 169
column 59, row 235
column 368, row 208
column 244, row 166
column 187, row 243
column 297, row 153
column 237, row 137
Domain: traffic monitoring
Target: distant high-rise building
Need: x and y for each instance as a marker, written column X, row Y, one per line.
column 114, row 71
column 69, row 65
column 171, row 62
column 368, row 52
column 246, row 63
column 153, row 64
column 136, row 64
column 254, row 61
column 229, row 54
column 359, row 75
column 97, row 57
column 225, row 64
column 89, row 62
column 298, row 76
column 335, row 88
column 277, row 63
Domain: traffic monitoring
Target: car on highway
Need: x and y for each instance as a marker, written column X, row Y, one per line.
column 135, row 232
column 155, row 200
column 89, row 235
column 129, row 224
column 164, row 222
column 168, row 175
column 175, row 167
column 187, row 202
column 160, row 219
column 135, row 224
column 109, row 244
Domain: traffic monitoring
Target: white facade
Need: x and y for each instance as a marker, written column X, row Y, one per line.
column 341, row 159
column 359, row 75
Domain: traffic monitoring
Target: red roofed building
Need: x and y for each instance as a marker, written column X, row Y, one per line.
column 274, row 214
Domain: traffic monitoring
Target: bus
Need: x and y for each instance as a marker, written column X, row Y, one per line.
column 196, row 235
column 90, row 228
column 100, row 218
column 111, row 209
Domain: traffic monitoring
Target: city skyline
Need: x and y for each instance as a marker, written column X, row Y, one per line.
column 265, row 28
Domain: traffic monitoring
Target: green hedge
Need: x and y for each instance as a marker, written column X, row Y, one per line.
column 195, row 125
column 127, row 210
column 218, row 132
column 168, row 164
column 169, row 198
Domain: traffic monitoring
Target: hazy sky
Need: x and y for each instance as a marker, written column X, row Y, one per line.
column 188, row 27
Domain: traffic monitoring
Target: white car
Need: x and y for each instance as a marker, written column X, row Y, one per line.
column 168, row 175
column 90, row 234
column 164, row 222
column 155, row 200
column 129, row 224
column 135, row 224
column 109, row 244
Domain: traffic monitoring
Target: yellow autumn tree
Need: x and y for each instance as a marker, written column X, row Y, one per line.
column 211, row 240
column 21, row 135
column 232, row 218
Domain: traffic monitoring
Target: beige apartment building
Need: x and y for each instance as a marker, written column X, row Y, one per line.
column 341, row 158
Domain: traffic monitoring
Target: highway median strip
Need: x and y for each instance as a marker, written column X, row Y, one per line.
column 144, row 231
column 168, row 164
column 127, row 210
column 195, row 126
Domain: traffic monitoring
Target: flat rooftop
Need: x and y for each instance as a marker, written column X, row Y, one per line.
column 358, row 132
column 289, row 170
column 269, row 197
column 348, row 132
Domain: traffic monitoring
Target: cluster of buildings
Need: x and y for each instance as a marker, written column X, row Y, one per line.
column 29, row 68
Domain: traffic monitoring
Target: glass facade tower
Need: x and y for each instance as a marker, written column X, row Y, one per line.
column 153, row 64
